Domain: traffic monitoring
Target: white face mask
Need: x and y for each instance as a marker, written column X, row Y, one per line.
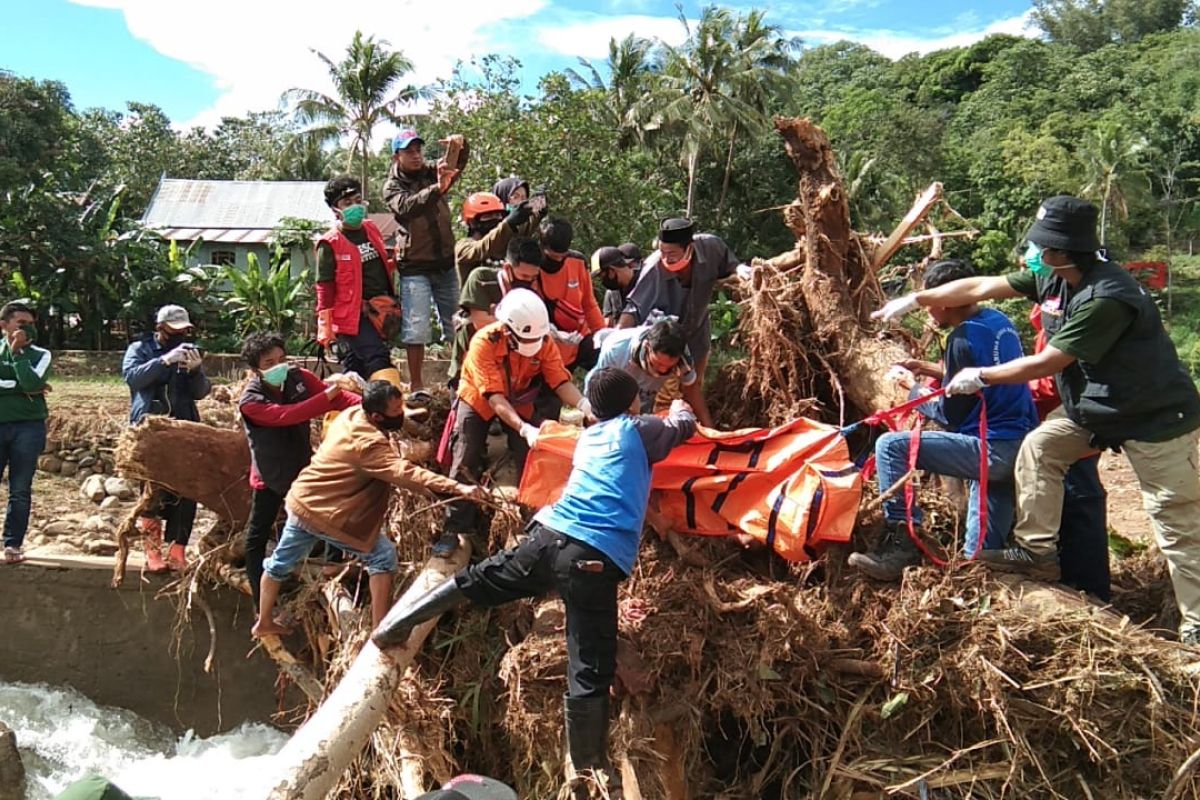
column 529, row 349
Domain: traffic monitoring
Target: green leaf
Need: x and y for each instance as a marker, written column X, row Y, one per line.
column 765, row 673
column 893, row 706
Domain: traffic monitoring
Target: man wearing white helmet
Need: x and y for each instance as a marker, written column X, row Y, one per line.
column 507, row 363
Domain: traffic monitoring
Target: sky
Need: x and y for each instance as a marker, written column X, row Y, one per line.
column 200, row 61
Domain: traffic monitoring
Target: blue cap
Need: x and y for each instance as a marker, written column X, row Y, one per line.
column 404, row 138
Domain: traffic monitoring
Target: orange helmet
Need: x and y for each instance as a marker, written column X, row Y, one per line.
column 480, row 203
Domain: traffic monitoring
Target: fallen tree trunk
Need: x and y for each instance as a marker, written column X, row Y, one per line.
column 313, row 760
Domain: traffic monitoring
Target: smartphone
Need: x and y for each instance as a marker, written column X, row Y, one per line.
column 537, row 203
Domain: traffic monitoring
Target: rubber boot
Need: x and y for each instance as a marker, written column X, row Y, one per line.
column 177, row 557
column 895, row 552
column 400, row 621
column 587, row 743
column 152, row 540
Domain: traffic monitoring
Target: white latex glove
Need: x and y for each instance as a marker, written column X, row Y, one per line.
column 177, row 356
column 967, row 380
column 585, row 407
column 566, row 338
column 529, row 433
column 894, row 310
column 745, row 272
column 347, row 381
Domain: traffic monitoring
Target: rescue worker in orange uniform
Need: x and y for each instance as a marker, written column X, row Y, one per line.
column 506, row 365
column 566, row 286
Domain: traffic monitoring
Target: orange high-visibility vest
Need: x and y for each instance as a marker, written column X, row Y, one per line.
column 793, row 488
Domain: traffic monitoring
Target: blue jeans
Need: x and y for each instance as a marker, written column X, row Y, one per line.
column 20, row 445
column 418, row 295
column 296, row 542
column 955, row 455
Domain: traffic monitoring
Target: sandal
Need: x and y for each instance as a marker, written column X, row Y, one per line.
column 13, row 555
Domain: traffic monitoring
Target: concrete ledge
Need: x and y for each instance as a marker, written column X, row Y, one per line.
column 64, row 625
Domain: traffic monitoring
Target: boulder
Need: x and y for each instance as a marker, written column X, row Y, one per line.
column 119, row 487
column 100, row 547
column 69, row 468
column 87, row 461
column 111, row 503
column 60, row 527
column 93, row 488
column 84, row 474
column 50, row 463
column 12, row 771
column 98, row 523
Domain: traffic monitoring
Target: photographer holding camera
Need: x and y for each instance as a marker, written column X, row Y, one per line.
column 165, row 374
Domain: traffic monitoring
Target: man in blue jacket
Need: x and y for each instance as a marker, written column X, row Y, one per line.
column 980, row 337
column 165, row 373
column 583, row 546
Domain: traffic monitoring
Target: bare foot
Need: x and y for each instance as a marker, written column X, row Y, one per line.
column 268, row 628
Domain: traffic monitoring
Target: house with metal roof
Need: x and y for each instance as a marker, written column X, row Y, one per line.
column 232, row 219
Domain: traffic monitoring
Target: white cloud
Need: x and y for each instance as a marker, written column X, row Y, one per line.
column 895, row 44
column 256, row 50
column 587, row 34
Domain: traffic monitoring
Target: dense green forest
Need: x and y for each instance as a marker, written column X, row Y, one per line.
column 1105, row 103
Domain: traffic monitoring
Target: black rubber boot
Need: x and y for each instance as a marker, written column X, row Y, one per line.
column 587, row 742
column 399, row 622
column 895, row 552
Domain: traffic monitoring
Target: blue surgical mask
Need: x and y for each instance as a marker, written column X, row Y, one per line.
column 1035, row 264
column 276, row 375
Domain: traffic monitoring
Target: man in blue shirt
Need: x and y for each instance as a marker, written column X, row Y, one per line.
column 980, row 337
column 583, row 546
column 165, row 374
column 651, row 354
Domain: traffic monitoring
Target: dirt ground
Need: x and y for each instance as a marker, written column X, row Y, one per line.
column 104, row 403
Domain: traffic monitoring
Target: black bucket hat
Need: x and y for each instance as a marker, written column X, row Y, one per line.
column 1065, row 223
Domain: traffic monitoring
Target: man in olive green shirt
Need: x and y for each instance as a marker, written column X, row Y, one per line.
column 1122, row 386
column 485, row 286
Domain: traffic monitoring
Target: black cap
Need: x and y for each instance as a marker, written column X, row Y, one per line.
column 676, row 231
column 610, row 392
column 472, row 787
column 1065, row 223
column 607, row 257
column 631, row 251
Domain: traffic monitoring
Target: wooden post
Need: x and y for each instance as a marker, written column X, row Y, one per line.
column 313, row 760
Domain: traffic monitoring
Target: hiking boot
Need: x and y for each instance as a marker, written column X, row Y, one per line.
column 895, row 552
column 1023, row 562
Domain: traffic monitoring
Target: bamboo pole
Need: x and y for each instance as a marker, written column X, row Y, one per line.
column 313, row 760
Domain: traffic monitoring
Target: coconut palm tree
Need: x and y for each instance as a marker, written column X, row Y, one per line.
column 368, row 90
column 1112, row 158
column 630, row 66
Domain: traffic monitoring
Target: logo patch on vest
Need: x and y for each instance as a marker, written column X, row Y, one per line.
column 572, row 284
column 1052, row 306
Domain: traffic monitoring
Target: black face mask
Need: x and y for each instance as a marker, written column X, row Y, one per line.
column 386, row 423
column 550, row 266
column 484, row 227
column 610, row 282
column 174, row 340
column 519, row 284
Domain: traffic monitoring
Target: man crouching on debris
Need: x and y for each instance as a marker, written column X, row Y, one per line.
column 341, row 498
column 583, row 546
column 981, row 337
column 1122, row 385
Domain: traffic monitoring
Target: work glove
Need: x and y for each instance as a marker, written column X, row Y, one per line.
column 967, row 380
column 177, row 356
column 529, row 433
column 894, row 310
column 566, row 338
column 745, row 272
column 519, row 216
column 585, row 408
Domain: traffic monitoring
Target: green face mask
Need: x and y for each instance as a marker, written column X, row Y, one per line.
column 276, row 375
column 1035, row 264
column 353, row 216
column 30, row 333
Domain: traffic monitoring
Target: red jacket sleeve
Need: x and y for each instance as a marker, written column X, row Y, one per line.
column 326, row 292
column 315, row 386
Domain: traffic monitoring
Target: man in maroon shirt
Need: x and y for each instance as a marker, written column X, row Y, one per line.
column 277, row 405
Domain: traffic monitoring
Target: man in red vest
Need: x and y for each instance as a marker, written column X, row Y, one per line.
column 356, row 300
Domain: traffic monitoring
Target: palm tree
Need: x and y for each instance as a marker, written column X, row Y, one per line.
column 367, row 91
column 715, row 85
column 1111, row 158
column 630, row 66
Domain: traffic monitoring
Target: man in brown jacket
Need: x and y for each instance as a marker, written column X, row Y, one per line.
column 416, row 194
column 341, row 498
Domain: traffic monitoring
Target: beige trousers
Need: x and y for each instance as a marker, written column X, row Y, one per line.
column 1170, row 483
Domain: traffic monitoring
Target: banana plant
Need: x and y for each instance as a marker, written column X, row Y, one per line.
column 264, row 299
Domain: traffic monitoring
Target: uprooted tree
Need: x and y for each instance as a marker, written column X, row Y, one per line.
column 755, row 678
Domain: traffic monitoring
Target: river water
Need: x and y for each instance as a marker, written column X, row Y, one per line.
column 63, row 736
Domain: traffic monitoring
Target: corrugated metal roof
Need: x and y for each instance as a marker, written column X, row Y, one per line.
column 226, row 209
column 218, row 235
